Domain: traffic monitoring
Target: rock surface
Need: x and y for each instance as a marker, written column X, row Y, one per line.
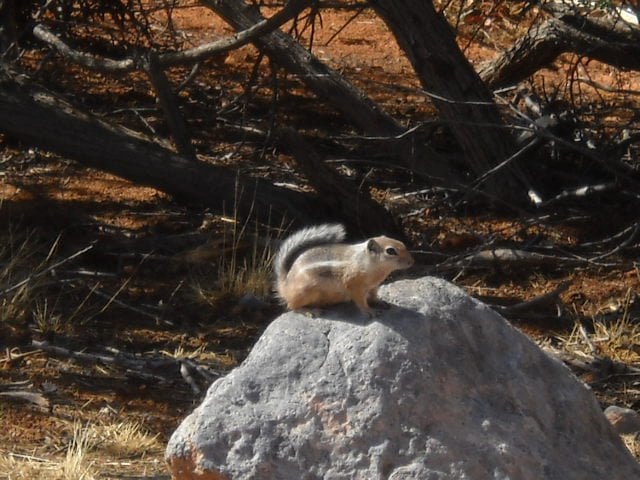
column 437, row 387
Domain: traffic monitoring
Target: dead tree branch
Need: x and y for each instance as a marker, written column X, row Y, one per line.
column 606, row 39
column 45, row 120
column 549, row 298
column 151, row 369
column 169, row 105
column 332, row 87
column 185, row 57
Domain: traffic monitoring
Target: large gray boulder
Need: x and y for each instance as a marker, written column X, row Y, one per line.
column 437, row 387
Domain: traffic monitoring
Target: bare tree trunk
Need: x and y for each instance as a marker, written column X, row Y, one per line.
column 463, row 101
column 333, row 88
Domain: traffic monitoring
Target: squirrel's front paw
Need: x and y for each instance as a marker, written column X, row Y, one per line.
column 380, row 304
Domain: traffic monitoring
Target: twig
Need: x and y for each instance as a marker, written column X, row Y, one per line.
column 522, row 151
column 345, row 24
column 617, row 235
column 12, row 357
column 587, row 340
column 7, row 387
column 204, row 372
column 45, row 271
column 606, row 88
column 581, row 192
column 189, row 78
column 620, row 246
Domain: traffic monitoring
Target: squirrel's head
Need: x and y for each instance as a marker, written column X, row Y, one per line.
column 389, row 252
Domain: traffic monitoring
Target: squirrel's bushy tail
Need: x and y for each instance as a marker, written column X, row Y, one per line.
column 302, row 240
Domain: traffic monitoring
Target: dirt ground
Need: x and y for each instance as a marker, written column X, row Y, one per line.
column 158, row 280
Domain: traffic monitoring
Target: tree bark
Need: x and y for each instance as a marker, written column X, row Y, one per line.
column 606, row 39
column 463, row 101
column 333, row 88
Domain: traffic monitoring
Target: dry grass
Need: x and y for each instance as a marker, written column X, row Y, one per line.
column 17, row 296
column 248, row 271
column 90, row 445
column 75, row 464
column 126, row 439
column 29, row 289
column 633, row 444
column 244, row 269
column 614, row 334
column 25, row 467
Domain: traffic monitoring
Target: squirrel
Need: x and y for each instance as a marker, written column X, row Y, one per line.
column 315, row 268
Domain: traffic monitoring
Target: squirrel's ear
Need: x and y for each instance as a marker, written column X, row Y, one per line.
column 373, row 246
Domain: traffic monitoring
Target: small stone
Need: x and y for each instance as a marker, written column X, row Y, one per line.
column 624, row 420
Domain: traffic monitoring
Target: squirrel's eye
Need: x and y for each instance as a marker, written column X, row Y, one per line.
column 391, row 251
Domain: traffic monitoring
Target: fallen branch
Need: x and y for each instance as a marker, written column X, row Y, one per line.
column 602, row 368
column 186, row 374
column 512, row 258
column 31, row 397
column 155, row 369
column 550, row 298
column 24, row 392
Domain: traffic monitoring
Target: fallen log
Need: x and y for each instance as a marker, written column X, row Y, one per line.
column 45, row 120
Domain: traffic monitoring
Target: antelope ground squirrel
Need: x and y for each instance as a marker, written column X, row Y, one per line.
column 314, row 268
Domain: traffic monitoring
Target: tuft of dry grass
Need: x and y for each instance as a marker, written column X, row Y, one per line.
column 126, row 439
column 89, row 445
column 16, row 260
column 27, row 281
column 244, row 269
column 615, row 338
column 25, row 467
column 632, row 442
column 75, row 465
column 247, row 271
